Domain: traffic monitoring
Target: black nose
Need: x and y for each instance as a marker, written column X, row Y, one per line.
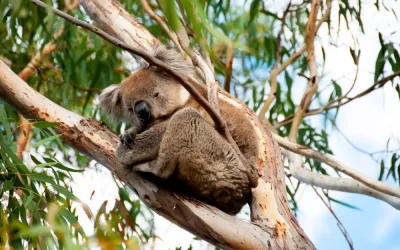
column 142, row 110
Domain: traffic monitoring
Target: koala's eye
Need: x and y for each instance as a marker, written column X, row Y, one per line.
column 130, row 109
column 156, row 95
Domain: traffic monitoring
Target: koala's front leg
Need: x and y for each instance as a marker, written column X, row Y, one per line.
column 144, row 147
column 128, row 136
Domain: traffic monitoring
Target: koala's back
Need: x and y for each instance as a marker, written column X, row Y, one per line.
column 205, row 164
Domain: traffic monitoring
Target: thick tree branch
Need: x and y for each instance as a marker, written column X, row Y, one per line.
column 339, row 166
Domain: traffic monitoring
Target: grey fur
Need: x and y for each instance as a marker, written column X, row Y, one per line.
column 194, row 156
column 174, row 59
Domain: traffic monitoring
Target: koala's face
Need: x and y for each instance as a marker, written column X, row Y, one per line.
column 143, row 97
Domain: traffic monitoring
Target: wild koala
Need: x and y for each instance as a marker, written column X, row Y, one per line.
column 172, row 131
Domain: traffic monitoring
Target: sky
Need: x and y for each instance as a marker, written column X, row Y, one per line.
column 367, row 122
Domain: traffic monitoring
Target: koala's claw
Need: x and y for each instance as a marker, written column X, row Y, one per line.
column 127, row 138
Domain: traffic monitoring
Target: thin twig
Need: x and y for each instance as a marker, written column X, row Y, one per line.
column 149, row 10
column 354, row 81
column 331, row 104
column 340, row 224
column 274, row 72
column 228, row 68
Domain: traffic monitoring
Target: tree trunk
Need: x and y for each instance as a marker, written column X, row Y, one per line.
column 273, row 226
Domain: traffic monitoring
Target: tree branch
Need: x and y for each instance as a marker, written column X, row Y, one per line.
column 340, row 224
column 330, row 105
column 275, row 72
column 339, row 166
column 313, row 82
column 230, row 52
column 334, row 183
column 149, row 10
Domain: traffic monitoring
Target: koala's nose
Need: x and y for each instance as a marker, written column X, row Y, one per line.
column 142, row 110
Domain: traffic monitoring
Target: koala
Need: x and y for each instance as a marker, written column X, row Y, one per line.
column 172, row 132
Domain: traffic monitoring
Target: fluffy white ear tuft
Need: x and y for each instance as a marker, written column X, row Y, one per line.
column 174, row 59
column 111, row 102
column 183, row 96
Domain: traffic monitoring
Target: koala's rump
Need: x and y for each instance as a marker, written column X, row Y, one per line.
column 206, row 165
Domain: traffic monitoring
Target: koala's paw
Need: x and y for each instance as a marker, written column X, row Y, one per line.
column 122, row 154
column 127, row 137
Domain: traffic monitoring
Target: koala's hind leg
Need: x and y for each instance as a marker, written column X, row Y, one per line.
column 177, row 143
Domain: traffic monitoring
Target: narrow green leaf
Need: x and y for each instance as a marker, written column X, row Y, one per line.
column 170, row 12
column 6, row 124
column 71, row 218
column 41, row 178
column 344, row 204
column 66, row 192
column 254, row 8
column 380, row 63
column 45, row 140
column 42, row 124
column 382, row 171
column 59, row 165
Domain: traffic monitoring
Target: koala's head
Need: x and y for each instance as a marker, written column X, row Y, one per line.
column 148, row 94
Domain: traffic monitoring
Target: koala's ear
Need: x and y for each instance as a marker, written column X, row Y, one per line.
column 111, row 102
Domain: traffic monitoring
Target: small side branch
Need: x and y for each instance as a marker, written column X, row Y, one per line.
column 149, row 10
column 342, row 100
column 228, row 68
column 313, row 82
column 334, row 183
column 275, row 69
